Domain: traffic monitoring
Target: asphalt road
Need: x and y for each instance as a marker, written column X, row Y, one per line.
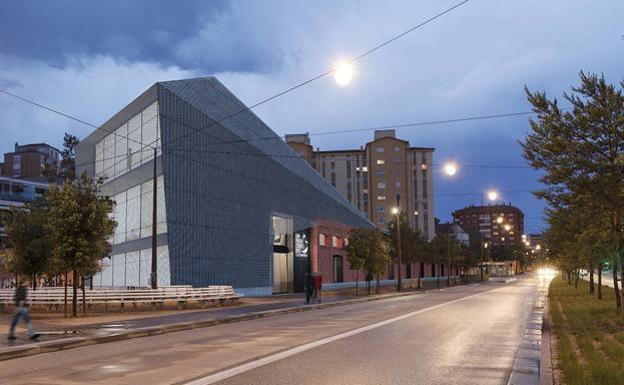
column 465, row 335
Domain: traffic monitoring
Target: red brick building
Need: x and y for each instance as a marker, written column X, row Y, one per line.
column 329, row 257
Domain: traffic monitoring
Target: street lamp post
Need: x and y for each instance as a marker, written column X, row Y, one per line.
column 449, row 254
column 397, row 212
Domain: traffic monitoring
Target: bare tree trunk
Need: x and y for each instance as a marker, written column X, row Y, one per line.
column 84, row 298
column 616, row 288
column 569, row 273
column 438, row 274
column 74, row 294
column 599, row 280
column 34, row 282
column 65, row 283
column 576, row 278
column 378, row 287
column 357, row 279
column 591, row 280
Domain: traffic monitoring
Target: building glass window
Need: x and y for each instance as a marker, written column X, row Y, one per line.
column 381, row 161
column 381, row 197
column 322, row 239
column 381, row 185
column 130, row 145
column 380, row 149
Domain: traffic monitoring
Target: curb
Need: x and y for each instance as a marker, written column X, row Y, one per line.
column 528, row 367
column 546, row 363
column 77, row 342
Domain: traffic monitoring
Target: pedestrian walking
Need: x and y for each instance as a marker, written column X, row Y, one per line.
column 309, row 287
column 21, row 310
column 318, row 286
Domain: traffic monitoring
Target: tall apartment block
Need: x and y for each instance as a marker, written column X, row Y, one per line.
column 372, row 177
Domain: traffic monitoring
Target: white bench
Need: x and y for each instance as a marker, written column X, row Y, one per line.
column 181, row 295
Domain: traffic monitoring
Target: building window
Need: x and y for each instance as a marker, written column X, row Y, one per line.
column 381, row 210
column 381, row 161
column 381, row 220
column 397, row 149
column 380, row 149
column 423, row 166
column 381, row 185
column 397, row 184
column 348, row 169
column 381, row 197
column 397, row 172
column 333, row 179
column 397, row 161
column 380, row 173
column 321, row 239
column 332, row 164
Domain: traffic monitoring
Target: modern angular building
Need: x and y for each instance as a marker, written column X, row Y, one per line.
column 372, row 176
column 235, row 204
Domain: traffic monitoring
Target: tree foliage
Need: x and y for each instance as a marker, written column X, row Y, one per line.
column 80, row 227
column 580, row 153
column 368, row 250
column 29, row 240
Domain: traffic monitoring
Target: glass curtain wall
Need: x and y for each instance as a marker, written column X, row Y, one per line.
column 133, row 212
column 130, row 145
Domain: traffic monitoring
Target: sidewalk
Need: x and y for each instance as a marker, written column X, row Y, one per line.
column 54, row 326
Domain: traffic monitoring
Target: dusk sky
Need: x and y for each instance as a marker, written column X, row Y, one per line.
column 89, row 59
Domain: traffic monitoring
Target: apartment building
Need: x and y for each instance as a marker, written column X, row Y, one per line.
column 31, row 161
column 498, row 224
column 373, row 176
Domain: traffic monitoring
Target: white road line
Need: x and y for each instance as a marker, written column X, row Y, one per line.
column 219, row 376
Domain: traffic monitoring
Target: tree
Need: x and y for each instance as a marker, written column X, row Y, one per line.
column 357, row 252
column 444, row 247
column 412, row 242
column 368, row 250
column 580, row 154
column 80, row 227
column 29, row 240
column 68, row 157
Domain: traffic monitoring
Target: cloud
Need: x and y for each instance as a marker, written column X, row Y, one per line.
column 186, row 34
column 92, row 58
column 92, row 90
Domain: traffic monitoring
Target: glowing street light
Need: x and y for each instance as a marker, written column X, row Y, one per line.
column 450, row 168
column 538, row 247
column 507, row 227
column 499, row 220
column 395, row 210
column 492, row 195
column 343, row 73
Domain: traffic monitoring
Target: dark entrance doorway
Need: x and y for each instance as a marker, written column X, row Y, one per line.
column 338, row 269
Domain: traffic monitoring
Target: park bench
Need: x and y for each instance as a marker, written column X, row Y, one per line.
column 179, row 294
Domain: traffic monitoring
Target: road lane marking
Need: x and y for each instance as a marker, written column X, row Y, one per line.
column 225, row 374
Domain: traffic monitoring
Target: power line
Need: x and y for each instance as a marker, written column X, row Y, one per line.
column 48, row 108
column 357, row 58
column 114, row 132
column 384, row 127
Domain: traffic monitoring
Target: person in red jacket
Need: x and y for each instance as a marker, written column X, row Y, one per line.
column 318, row 285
